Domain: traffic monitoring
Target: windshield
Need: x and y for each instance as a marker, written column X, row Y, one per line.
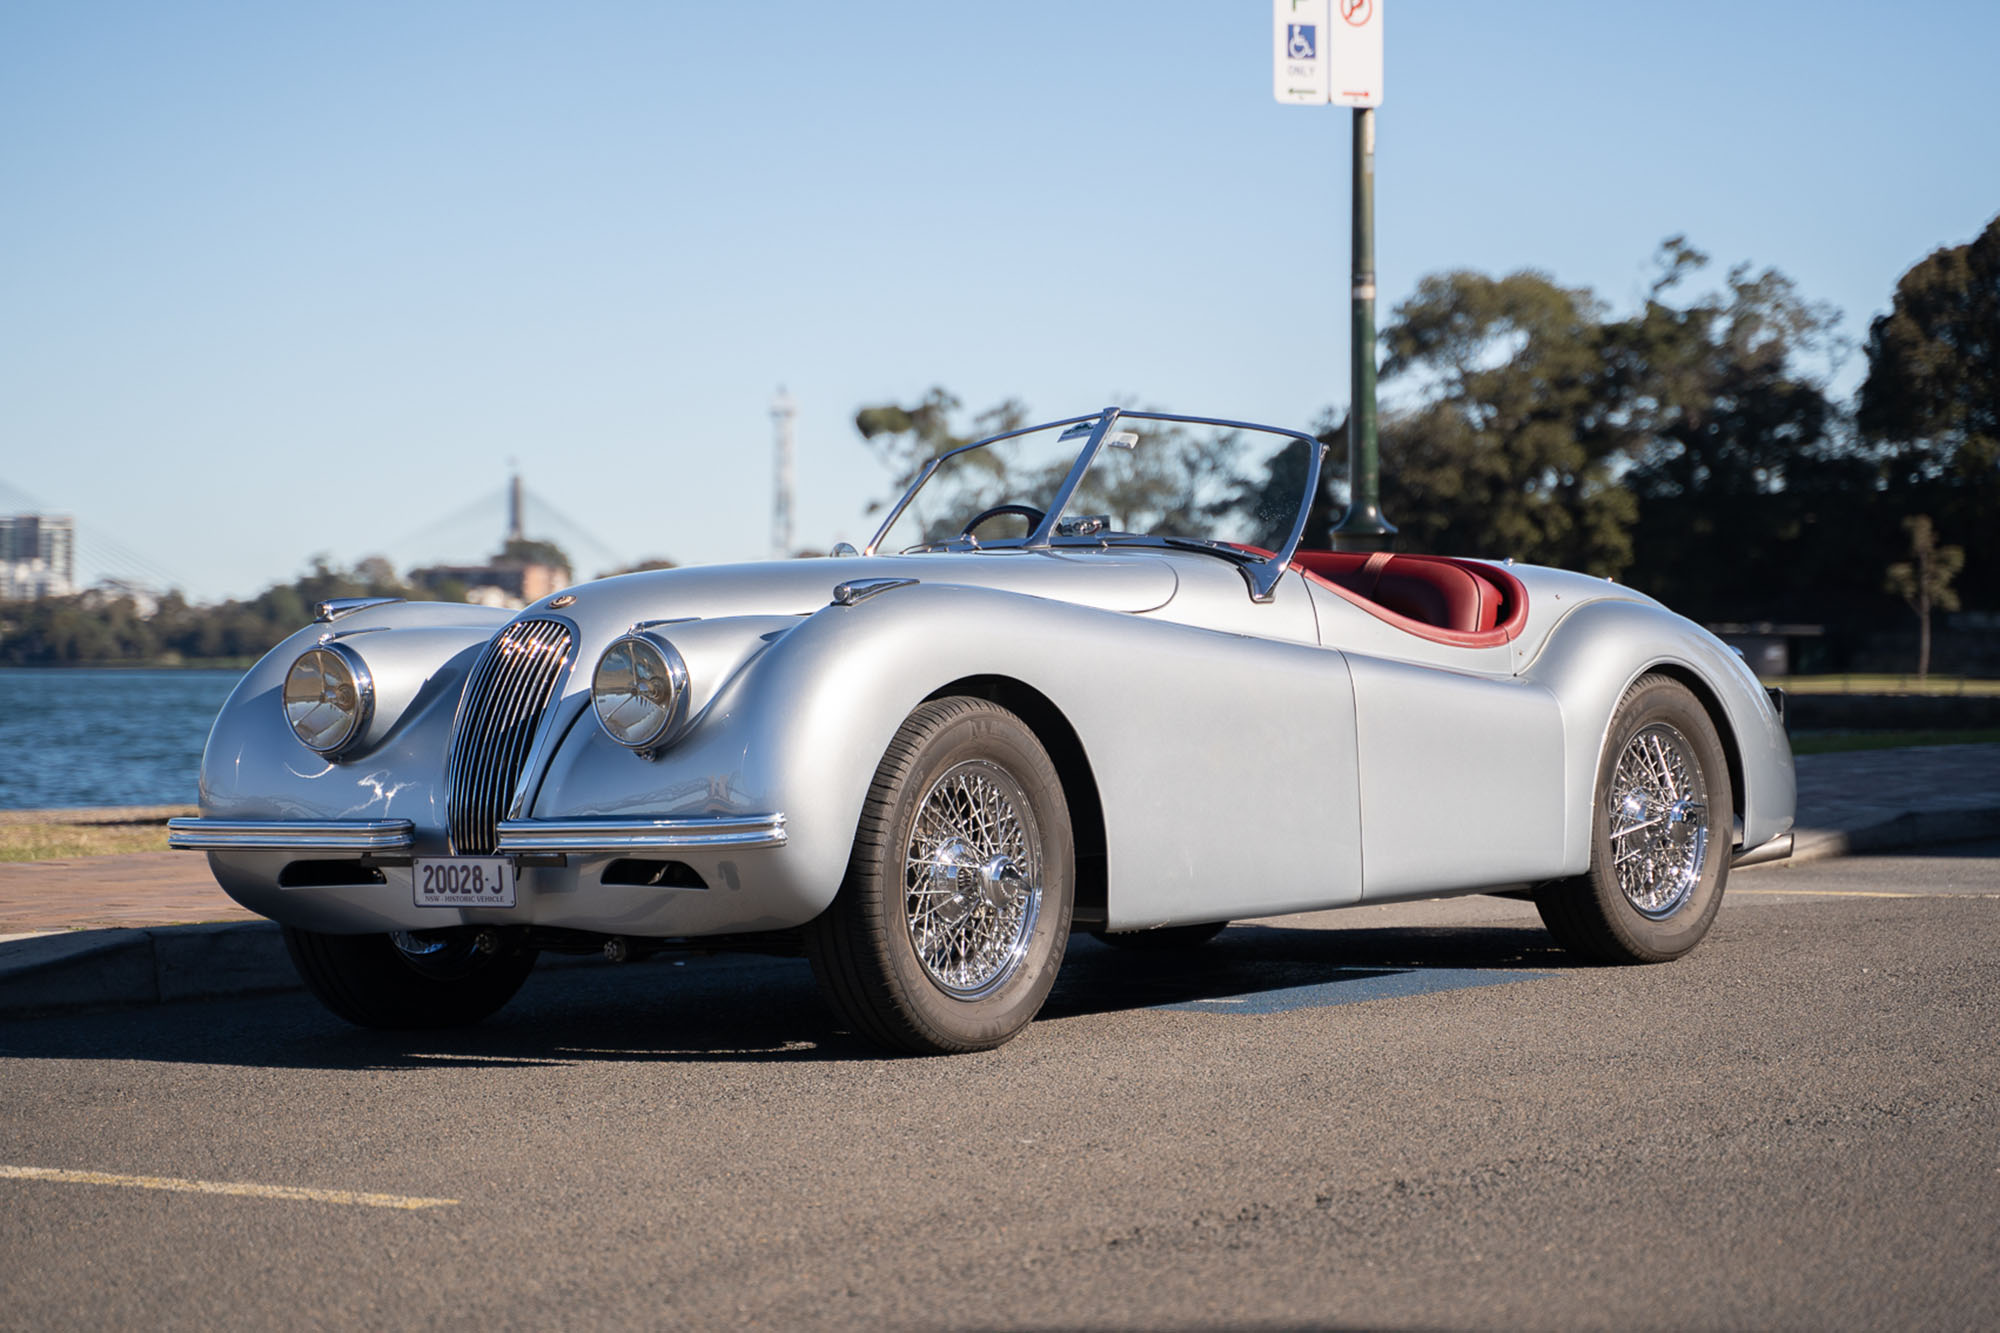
column 1153, row 480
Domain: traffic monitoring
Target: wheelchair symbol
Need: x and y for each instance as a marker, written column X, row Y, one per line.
column 1299, row 40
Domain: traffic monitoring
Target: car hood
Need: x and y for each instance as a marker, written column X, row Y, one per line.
column 1105, row 580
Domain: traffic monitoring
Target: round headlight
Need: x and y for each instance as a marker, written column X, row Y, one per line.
column 329, row 697
column 638, row 689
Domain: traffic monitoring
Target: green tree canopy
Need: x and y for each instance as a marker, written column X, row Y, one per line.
column 1513, row 441
column 1932, row 395
column 528, row 551
column 1745, row 483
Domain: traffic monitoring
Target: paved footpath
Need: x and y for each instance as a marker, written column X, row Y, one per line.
column 114, row 930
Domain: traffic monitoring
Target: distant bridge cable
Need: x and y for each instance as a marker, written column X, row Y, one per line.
column 94, row 553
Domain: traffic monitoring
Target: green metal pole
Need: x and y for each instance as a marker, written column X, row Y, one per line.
column 1364, row 528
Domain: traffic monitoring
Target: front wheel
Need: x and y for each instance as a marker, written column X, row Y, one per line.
column 405, row 981
column 948, row 930
column 1660, row 834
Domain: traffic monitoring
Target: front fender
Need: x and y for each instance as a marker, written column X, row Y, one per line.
column 1592, row 657
column 254, row 767
column 1225, row 763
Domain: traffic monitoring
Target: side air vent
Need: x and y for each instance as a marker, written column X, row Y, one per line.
column 513, row 685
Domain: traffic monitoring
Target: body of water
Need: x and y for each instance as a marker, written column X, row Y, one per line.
column 83, row 738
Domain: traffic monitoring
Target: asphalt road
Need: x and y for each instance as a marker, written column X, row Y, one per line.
column 1322, row 1122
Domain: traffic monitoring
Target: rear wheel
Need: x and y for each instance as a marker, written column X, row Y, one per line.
column 948, row 930
column 405, row 981
column 1660, row 824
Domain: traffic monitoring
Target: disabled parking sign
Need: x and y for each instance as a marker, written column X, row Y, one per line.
column 1327, row 51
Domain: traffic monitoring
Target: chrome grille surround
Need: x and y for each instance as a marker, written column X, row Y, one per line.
column 516, row 680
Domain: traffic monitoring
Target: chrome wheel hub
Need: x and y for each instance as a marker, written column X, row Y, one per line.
column 972, row 885
column 1659, row 821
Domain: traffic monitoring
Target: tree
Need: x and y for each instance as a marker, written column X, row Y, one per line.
column 1275, row 489
column 1746, row 495
column 909, row 439
column 528, row 551
column 656, row 562
column 1933, row 385
column 1176, row 479
column 1513, row 443
column 1930, row 405
column 1924, row 580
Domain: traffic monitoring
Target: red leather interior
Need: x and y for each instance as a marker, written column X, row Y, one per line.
column 1460, row 602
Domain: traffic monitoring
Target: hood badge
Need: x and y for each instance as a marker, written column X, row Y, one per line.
column 562, row 601
column 847, row 594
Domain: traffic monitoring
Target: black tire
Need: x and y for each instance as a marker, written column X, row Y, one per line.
column 1665, row 904
column 370, row 982
column 979, row 890
column 1166, row 939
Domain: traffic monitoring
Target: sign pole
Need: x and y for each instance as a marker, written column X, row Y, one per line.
column 1364, row 528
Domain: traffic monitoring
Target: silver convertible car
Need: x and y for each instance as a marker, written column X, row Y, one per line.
column 1082, row 679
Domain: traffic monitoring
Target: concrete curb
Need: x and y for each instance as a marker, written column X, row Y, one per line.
column 116, row 969
column 1918, row 828
column 78, row 971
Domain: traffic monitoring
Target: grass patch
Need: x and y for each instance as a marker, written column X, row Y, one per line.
column 1841, row 742
column 63, row 842
column 1884, row 683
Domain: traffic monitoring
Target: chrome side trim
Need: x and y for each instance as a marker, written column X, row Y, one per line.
column 619, row 834
column 333, row 608
column 1777, row 849
column 291, row 835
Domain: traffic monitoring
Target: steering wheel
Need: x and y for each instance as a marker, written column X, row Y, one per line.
column 1029, row 512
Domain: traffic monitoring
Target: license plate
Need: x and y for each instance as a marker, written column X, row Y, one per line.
column 463, row 881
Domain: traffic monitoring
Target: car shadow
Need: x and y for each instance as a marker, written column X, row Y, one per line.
column 1248, row 961
column 747, row 1009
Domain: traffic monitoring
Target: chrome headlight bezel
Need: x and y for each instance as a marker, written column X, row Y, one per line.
column 666, row 666
column 359, row 679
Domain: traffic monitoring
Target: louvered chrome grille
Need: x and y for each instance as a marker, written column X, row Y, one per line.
column 511, row 688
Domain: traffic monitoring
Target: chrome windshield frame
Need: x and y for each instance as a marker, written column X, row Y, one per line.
column 931, row 468
column 1262, row 574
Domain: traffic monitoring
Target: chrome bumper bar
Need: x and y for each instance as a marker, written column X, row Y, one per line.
column 621, row 834
column 291, row 835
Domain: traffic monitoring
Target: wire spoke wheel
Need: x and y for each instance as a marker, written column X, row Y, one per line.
column 1659, row 856
column 1658, row 813
column 952, row 921
column 972, row 879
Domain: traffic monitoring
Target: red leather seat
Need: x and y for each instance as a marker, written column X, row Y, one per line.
column 1431, row 590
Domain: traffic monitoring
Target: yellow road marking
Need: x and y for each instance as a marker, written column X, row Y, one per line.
column 293, row 1192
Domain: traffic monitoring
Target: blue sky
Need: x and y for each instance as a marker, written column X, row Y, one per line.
column 278, row 280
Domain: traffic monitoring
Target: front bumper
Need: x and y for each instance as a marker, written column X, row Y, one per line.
column 291, row 835
column 356, row 876
column 612, row 835
column 584, row 837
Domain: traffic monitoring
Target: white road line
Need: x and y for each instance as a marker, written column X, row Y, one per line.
column 296, row 1193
